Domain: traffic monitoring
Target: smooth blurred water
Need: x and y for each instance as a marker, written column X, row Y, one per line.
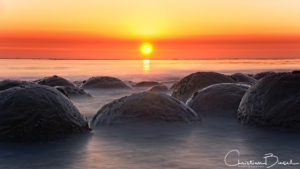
column 135, row 70
column 173, row 146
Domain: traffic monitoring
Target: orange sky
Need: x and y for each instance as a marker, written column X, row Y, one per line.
column 114, row 29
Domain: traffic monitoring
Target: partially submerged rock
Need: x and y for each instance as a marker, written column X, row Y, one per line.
column 159, row 88
column 196, row 81
column 273, row 101
column 6, row 84
column 104, row 82
column 37, row 113
column 296, row 71
column 146, row 84
column 54, row 81
column 73, row 92
column 242, row 78
column 219, row 99
column 144, row 107
column 78, row 83
column 261, row 75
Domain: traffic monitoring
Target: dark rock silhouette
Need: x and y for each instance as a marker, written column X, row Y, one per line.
column 146, row 84
column 196, row 81
column 159, row 88
column 260, row 75
column 6, row 84
column 54, row 81
column 73, row 92
column 296, row 72
column 37, row 112
column 221, row 99
column 67, row 88
column 104, row 82
column 144, row 107
column 273, row 101
column 242, row 78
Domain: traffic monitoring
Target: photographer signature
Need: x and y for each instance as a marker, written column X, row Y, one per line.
column 269, row 160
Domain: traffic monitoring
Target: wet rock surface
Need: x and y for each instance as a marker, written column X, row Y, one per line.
column 196, row 81
column 104, row 82
column 34, row 113
column 144, row 107
column 54, row 81
column 221, row 100
column 273, row 101
column 6, row 84
column 146, row 84
column 159, row 88
column 73, row 92
column 261, row 75
column 242, row 78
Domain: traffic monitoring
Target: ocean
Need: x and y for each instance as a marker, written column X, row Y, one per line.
column 206, row 145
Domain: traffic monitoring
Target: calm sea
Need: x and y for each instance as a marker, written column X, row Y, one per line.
column 182, row 146
column 135, row 70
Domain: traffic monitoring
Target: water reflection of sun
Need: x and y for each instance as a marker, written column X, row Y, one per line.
column 146, row 65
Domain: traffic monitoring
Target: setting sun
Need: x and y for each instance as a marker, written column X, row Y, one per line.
column 146, row 48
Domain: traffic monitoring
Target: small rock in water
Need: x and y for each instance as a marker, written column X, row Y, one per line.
column 34, row 113
column 104, row 82
column 186, row 87
column 221, row 99
column 54, row 81
column 146, row 84
column 144, row 107
column 159, row 88
column 273, row 101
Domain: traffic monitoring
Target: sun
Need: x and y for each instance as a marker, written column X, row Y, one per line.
column 146, row 48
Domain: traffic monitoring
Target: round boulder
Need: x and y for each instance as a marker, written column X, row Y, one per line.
column 185, row 88
column 144, row 107
column 146, row 84
column 37, row 113
column 219, row 99
column 159, row 88
column 273, row 101
column 54, row 81
column 261, row 75
column 6, row 84
column 104, row 82
column 242, row 78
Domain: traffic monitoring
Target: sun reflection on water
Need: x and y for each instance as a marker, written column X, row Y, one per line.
column 146, row 65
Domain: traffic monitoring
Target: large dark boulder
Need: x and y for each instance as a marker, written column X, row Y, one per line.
column 146, row 84
column 261, row 75
column 144, row 107
column 159, row 88
column 37, row 112
column 242, row 78
column 273, row 101
column 104, row 82
column 6, row 84
column 64, row 86
column 220, row 100
column 54, row 81
column 196, row 81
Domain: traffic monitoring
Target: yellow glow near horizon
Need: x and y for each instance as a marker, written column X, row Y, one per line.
column 146, row 48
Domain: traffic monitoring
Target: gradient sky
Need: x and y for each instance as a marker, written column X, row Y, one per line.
column 114, row 29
